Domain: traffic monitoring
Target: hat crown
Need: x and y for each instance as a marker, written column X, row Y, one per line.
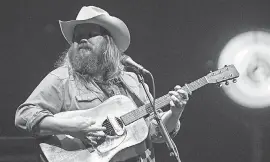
column 88, row 12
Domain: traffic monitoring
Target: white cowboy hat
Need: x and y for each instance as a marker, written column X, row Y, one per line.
column 91, row 14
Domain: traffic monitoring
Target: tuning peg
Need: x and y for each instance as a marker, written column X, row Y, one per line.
column 227, row 82
column 234, row 80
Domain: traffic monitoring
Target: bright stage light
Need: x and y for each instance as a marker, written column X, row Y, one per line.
column 250, row 53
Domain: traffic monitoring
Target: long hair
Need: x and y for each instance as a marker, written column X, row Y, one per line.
column 110, row 62
column 112, row 59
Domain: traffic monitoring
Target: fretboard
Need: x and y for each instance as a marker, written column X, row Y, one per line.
column 160, row 102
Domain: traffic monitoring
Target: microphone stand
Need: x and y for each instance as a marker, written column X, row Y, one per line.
column 170, row 144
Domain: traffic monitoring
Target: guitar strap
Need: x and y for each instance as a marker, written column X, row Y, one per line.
column 132, row 94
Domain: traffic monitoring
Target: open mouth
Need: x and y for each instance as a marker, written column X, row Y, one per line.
column 85, row 46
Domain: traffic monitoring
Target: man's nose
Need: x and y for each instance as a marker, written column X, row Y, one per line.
column 83, row 41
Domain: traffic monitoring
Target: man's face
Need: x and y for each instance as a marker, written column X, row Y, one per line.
column 87, row 49
column 87, row 31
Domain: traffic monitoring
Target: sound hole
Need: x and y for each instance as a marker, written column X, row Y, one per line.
column 109, row 128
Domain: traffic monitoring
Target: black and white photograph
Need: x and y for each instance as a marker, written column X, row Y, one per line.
column 135, row 81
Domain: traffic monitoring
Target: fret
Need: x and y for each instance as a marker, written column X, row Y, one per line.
column 159, row 103
column 197, row 84
column 145, row 110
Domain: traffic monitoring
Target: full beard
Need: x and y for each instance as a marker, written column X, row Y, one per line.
column 83, row 60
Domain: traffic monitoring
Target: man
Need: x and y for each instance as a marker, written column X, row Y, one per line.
column 89, row 73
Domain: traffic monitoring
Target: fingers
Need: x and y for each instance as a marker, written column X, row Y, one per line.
column 91, row 140
column 179, row 97
column 92, row 137
column 92, row 127
column 87, row 121
column 177, row 87
column 96, row 128
column 91, row 122
column 96, row 134
column 181, row 91
column 179, row 94
column 183, row 94
column 175, row 102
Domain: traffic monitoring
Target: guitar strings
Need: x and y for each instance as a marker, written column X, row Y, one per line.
column 162, row 101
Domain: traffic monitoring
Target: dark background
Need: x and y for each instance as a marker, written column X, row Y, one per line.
column 177, row 40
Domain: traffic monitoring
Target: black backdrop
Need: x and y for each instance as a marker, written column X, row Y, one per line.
column 177, row 40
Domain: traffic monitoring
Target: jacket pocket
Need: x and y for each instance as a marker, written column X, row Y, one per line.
column 86, row 101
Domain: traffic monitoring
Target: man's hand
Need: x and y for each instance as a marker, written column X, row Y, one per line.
column 179, row 99
column 85, row 129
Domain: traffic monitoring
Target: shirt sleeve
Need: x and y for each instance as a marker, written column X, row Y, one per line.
column 154, row 130
column 45, row 100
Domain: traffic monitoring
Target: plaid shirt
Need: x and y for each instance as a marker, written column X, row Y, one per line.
column 60, row 91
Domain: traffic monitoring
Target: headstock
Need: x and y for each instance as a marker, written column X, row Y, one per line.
column 228, row 72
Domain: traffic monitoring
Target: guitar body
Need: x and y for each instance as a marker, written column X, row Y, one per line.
column 123, row 142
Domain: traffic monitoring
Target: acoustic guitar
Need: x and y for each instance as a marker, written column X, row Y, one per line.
column 126, row 128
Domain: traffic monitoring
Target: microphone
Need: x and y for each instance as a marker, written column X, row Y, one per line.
column 127, row 61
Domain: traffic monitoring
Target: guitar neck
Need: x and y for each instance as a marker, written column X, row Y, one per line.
column 160, row 102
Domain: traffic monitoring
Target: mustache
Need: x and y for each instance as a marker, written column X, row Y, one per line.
column 85, row 45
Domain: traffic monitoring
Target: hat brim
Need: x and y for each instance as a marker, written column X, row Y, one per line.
column 116, row 27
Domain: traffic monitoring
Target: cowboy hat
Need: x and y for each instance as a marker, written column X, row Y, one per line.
column 91, row 14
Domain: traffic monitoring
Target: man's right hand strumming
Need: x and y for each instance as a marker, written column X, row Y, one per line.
column 79, row 127
column 85, row 129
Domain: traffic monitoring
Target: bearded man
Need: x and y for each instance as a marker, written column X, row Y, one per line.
column 89, row 73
